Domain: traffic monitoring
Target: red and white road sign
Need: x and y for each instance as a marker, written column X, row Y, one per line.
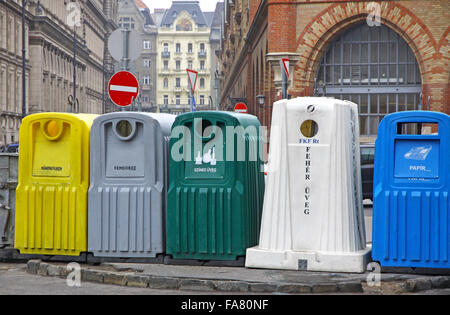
column 192, row 79
column 123, row 88
column 285, row 62
column 241, row 108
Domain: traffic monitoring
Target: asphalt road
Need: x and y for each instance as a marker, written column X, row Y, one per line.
column 14, row 280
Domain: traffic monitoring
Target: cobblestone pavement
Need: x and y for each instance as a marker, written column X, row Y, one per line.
column 226, row 280
column 15, row 280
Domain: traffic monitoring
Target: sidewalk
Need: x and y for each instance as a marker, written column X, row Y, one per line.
column 228, row 279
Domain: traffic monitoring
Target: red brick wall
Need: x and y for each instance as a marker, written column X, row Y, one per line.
column 282, row 20
column 423, row 26
column 254, row 5
column 309, row 26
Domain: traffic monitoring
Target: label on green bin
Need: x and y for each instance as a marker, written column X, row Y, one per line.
column 205, row 166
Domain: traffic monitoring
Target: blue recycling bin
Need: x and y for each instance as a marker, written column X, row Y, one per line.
column 411, row 204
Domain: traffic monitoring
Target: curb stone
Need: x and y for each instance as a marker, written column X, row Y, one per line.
column 92, row 276
column 163, row 283
column 196, row 285
column 137, row 279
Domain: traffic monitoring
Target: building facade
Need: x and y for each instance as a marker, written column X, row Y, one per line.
column 50, row 27
column 215, row 40
column 135, row 16
column 184, row 43
column 386, row 56
column 11, row 70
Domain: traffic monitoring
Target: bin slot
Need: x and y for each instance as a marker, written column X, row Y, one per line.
column 418, row 128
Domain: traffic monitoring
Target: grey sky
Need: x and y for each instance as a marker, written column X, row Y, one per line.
column 205, row 5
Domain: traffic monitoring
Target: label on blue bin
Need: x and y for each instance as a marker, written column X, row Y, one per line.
column 417, row 159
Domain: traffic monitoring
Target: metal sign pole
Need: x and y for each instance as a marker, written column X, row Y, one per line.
column 74, row 68
column 285, row 85
column 126, row 43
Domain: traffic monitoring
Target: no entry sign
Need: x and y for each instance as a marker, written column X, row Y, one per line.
column 241, row 108
column 123, row 88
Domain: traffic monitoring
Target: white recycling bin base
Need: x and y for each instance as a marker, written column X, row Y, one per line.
column 355, row 262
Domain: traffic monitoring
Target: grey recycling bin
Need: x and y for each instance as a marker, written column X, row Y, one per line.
column 129, row 174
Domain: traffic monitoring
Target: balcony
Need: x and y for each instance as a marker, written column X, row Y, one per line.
column 202, row 54
column 165, row 54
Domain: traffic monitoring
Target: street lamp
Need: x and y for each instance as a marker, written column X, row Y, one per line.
column 261, row 100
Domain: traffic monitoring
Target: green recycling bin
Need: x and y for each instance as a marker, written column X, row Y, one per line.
column 216, row 186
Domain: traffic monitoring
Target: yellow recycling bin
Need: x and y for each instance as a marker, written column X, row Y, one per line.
column 51, row 198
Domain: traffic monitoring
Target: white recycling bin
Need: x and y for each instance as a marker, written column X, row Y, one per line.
column 313, row 216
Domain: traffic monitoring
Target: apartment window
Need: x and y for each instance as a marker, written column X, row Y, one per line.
column 202, row 47
column 202, row 65
column 202, row 83
column 146, row 99
column 177, row 82
column 146, row 80
column 1, row 29
column 178, row 48
column 190, row 48
column 166, row 47
column 11, row 37
column 202, row 99
column 166, row 65
column 178, row 99
column 166, row 82
column 178, row 64
column 166, row 99
column 146, row 63
column 147, row 44
column 190, row 65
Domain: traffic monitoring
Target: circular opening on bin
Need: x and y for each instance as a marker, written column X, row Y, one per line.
column 52, row 129
column 204, row 128
column 124, row 129
column 309, row 129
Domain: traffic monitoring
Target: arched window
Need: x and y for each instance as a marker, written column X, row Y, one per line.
column 373, row 67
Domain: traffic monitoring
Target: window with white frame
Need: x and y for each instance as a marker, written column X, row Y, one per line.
column 147, row 44
column 146, row 80
column 146, row 63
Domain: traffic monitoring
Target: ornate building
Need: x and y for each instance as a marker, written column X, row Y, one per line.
column 50, row 57
column 184, row 43
column 135, row 16
column 386, row 56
